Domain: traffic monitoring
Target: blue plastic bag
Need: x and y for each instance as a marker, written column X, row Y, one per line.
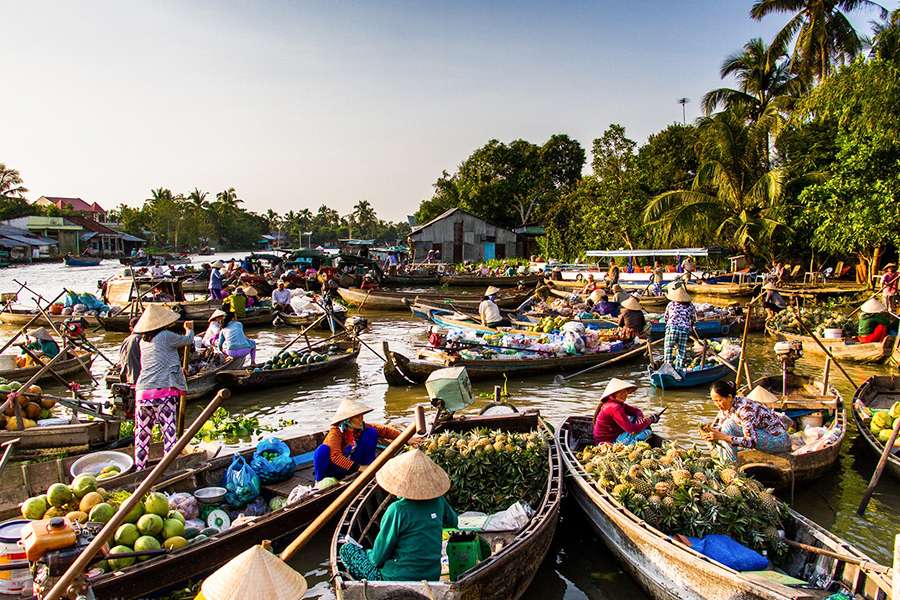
column 729, row 552
column 277, row 466
column 241, row 482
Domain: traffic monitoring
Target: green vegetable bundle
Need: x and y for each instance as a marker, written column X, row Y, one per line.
column 491, row 469
column 223, row 426
column 684, row 491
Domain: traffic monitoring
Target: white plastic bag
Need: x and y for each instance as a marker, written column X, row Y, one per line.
column 512, row 519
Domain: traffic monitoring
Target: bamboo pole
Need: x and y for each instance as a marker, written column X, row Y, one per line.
column 870, row 566
column 563, row 379
column 822, row 346
column 879, row 469
column 87, row 555
column 299, row 335
column 27, row 325
column 741, row 359
column 417, row 426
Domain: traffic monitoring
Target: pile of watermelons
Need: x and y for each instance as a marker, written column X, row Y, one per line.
column 289, row 360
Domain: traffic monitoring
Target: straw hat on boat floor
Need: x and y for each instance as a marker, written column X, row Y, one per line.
column 254, row 574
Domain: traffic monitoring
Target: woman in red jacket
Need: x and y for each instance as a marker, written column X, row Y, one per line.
column 615, row 421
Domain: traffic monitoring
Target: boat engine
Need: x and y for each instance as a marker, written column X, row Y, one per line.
column 51, row 546
column 788, row 353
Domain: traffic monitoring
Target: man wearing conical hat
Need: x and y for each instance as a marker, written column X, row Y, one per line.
column 874, row 321
column 680, row 317
column 408, row 545
column 489, row 311
column 773, row 301
column 617, row 421
column 350, row 441
column 889, row 283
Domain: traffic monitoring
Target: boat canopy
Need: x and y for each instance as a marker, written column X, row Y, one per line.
column 642, row 252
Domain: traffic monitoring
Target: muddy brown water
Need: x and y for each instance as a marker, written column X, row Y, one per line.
column 578, row 564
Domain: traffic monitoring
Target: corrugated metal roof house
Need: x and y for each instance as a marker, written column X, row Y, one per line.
column 460, row 236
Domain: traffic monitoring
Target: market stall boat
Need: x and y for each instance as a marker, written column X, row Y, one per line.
column 472, row 280
column 505, row 574
column 668, row 569
column 387, row 300
column 18, row 317
column 310, row 317
column 878, row 392
column 255, row 377
column 649, row 302
column 401, row 370
column 869, row 353
column 723, row 290
column 81, row 261
column 199, row 385
column 74, row 364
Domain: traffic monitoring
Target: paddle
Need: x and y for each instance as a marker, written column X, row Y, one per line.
column 417, row 426
column 559, row 379
column 827, row 352
column 87, row 555
column 27, row 325
column 741, row 359
column 300, row 335
column 879, row 469
column 870, row 566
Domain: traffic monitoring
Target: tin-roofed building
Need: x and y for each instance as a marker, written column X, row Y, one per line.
column 91, row 210
column 23, row 246
column 67, row 235
column 461, row 236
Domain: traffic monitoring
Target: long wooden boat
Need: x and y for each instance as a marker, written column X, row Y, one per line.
column 423, row 278
column 468, row 280
column 387, row 300
column 20, row 316
column 723, row 289
column 870, row 353
column 670, row 570
column 261, row 317
column 199, row 385
column 401, row 370
column 713, row 371
column 283, row 318
column 803, row 394
column 81, row 261
column 876, row 392
column 254, row 377
column 649, row 303
column 76, row 363
column 504, row 575
column 81, row 433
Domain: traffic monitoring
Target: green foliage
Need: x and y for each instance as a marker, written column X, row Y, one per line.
column 12, row 203
column 669, row 159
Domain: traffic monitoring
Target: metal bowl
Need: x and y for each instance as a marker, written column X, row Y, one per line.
column 210, row 495
column 94, row 462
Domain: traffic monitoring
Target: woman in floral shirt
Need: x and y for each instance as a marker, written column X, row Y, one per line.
column 745, row 422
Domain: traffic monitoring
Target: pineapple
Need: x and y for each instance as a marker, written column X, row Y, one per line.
column 769, row 502
column 642, row 487
column 700, row 476
column 681, row 476
column 634, row 472
column 649, row 464
column 662, row 488
column 708, row 498
column 733, row 492
column 668, row 502
column 727, row 475
column 634, row 456
column 621, row 490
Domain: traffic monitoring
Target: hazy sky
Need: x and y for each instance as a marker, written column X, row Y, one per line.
column 298, row 104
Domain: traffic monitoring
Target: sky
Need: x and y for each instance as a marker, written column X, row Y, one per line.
column 302, row 103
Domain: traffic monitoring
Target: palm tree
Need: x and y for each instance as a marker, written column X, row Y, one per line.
column 885, row 41
column 10, row 183
column 198, row 199
column 229, row 198
column 824, row 34
column 734, row 198
column 363, row 215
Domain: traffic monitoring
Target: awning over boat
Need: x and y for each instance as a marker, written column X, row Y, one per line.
column 642, row 252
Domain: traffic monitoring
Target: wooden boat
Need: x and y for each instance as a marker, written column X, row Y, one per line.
column 670, row 570
column 251, row 378
column 876, row 392
column 386, row 300
column 505, row 575
column 261, row 317
column 713, row 371
column 723, row 289
column 871, row 353
column 414, row 278
column 81, row 261
column 20, row 316
column 199, row 385
column 401, row 370
column 74, row 364
column 469, row 280
column 799, row 394
column 648, row 302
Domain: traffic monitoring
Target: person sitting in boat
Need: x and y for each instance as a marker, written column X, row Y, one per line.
column 40, row 341
column 612, row 274
column 161, row 382
column 488, row 310
column 210, row 337
column 603, row 307
column 616, row 421
column 680, row 317
column 368, row 283
column 889, row 284
column 234, row 342
column 157, row 271
column 631, row 322
column 130, row 355
column 746, row 422
column 773, row 302
column 158, row 295
column 235, row 302
column 874, row 321
column 281, row 299
column 409, row 540
column 252, row 295
column 350, row 441
column 590, row 284
column 688, row 266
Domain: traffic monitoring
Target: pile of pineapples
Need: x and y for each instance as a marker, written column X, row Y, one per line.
column 685, row 491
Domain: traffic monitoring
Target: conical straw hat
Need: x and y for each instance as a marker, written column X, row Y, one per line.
column 632, row 303
column 41, row 333
column 678, row 294
column 762, row 395
column 218, row 264
column 414, row 476
column 155, row 317
column 617, row 385
column 216, row 314
column 348, row 409
column 250, row 290
column 254, row 573
column 888, row 266
column 491, row 291
column 596, row 296
column 872, row 306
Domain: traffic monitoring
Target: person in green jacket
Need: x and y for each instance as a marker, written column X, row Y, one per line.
column 874, row 322
column 41, row 341
column 408, row 545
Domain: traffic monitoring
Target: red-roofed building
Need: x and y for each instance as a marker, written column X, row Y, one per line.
column 92, row 211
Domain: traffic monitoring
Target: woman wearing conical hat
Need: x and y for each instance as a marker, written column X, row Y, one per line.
column 350, row 441
column 747, row 422
column 161, row 381
column 408, row 545
column 680, row 317
column 631, row 321
column 41, row 341
column 874, row 321
column 489, row 311
column 617, row 421
column 889, row 284
column 773, row 302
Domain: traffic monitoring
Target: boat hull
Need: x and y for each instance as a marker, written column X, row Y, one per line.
column 690, row 379
column 872, row 353
column 479, row 281
column 400, row 301
column 69, row 366
column 19, row 317
column 878, row 392
column 72, row 261
column 245, row 379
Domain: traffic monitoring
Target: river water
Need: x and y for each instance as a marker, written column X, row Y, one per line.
column 578, row 564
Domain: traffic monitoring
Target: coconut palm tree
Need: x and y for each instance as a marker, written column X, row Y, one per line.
column 10, row 183
column 885, row 40
column 198, row 199
column 229, row 198
column 363, row 215
column 734, row 198
column 822, row 32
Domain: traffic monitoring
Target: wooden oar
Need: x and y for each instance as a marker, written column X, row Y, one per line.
column 300, row 335
column 417, row 426
column 27, row 325
column 87, row 555
column 8, row 447
column 818, row 342
column 563, row 379
column 852, row 560
column 879, row 469
column 741, row 359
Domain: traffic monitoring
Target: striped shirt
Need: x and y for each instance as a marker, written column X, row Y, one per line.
column 337, row 440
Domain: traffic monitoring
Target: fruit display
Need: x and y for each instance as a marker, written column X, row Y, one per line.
column 34, row 407
column 882, row 424
column 818, row 319
column 549, row 324
column 75, row 501
column 490, row 470
column 685, row 491
column 291, row 359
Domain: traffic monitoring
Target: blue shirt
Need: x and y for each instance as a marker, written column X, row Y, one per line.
column 232, row 337
column 215, row 279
